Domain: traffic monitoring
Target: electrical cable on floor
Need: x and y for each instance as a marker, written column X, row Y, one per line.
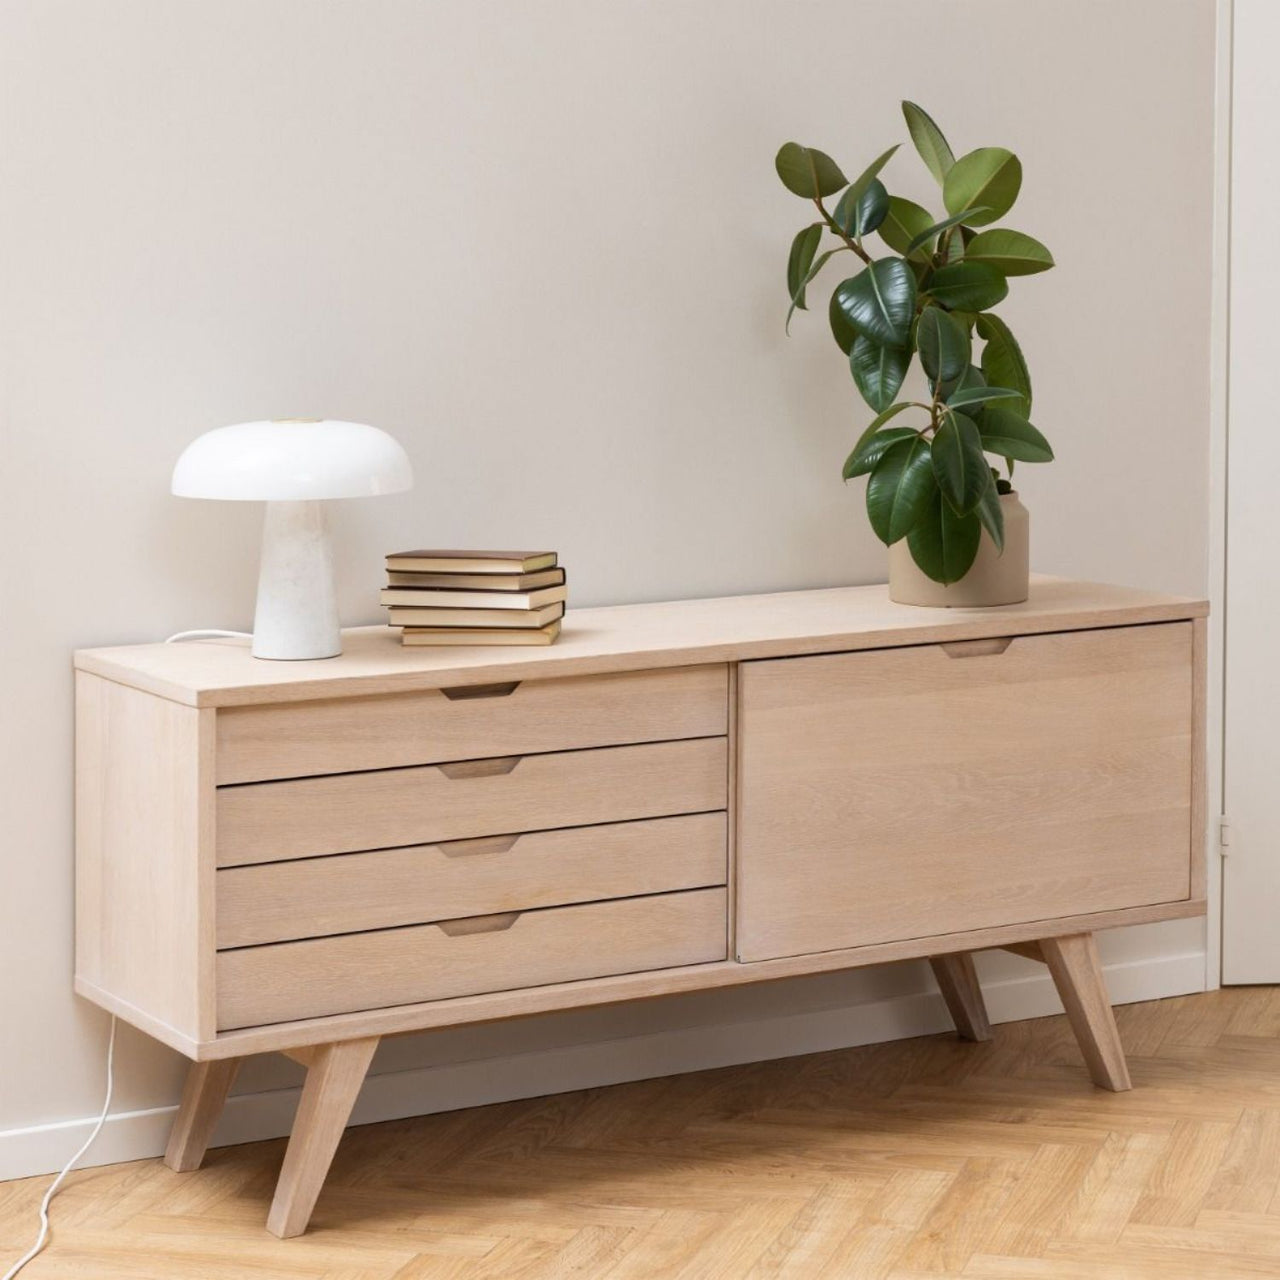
column 42, row 1238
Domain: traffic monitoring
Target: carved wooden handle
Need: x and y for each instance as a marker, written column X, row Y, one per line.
column 479, row 924
column 977, row 648
column 481, row 844
column 462, row 692
column 479, row 768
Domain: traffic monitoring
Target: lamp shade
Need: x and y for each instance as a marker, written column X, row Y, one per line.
column 292, row 459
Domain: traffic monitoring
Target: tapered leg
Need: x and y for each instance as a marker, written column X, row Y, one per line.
column 1077, row 973
column 334, row 1076
column 203, row 1096
column 958, row 982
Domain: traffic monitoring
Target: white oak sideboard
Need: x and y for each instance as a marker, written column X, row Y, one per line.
column 304, row 857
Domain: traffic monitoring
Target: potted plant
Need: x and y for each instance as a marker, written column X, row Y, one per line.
column 956, row 531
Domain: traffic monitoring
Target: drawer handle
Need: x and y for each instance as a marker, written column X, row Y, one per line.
column 479, row 768
column 481, row 844
column 479, row 924
column 977, row 648
column 462, row 692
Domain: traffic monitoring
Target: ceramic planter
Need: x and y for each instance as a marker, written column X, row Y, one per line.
column 995, row 578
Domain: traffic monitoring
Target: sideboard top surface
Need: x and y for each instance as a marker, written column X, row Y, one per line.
column 623, row 638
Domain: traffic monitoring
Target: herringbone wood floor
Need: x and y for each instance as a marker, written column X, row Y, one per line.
column 922, row 1158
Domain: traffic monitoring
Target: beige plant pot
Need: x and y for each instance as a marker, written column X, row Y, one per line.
column 996, row 577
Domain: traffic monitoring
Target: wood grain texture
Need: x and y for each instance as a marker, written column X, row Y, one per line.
column 203, row 1096
column 144, row 853
column 267, row 821
column 958, row 981
column 347, row 893
column 907, row 792
column 334, row 1077
column 1077, row 973
column 338, row 735
column 320, row 976
column 922, row 1159
column 626, row 638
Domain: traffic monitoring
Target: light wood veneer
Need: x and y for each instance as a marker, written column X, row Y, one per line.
column 305, row 857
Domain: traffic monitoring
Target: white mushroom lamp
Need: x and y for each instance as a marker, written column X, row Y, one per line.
column 292, row 464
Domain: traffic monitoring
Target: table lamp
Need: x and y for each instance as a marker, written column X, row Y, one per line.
column 291, row 464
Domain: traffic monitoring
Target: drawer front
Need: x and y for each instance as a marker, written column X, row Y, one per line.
column 268, row 821
column 346, row 893
column 906, row 793
column 291, row 980
column 343, row 735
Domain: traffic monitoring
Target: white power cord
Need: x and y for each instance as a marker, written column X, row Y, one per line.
column 43, row 1237
column 207, row 633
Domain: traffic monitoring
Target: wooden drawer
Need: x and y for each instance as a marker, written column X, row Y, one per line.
column 904, row 793
column 320, row 976
column 340, row 735
column 345, row 893
column 268, row 821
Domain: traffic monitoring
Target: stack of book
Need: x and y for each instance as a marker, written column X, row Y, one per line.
column 475, row 597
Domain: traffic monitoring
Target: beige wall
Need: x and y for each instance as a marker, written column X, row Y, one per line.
column 543, row 244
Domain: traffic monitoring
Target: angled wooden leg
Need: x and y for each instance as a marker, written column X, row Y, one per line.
column 1077, row 973
column 958, row 982
column 335, row 1073
column 203, row 1096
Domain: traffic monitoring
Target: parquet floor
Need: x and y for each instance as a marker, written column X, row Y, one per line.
column 919, row 1159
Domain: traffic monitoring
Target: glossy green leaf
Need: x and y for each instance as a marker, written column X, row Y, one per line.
column 932, row 146
column 862, row 183
column 1003, row 363
column 1009, row 435
column 943, row 345
column 990, row 176
column 870, row 449
column 1010, row 252
column 880, row 301
column 943, row 543
column 959, row 465
column 807, row 172
column 800, row 259
column 991, row 514
column 903, row 222
column 900, row 489
column 970, row 377
column 921, row 238
column 968, row 286
column 841, row 330
column 879, row 421
column 860, row 217
column 971, row 395
column 819, row 262
column 878, row 371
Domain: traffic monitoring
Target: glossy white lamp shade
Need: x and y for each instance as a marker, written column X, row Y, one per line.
column 292, row 464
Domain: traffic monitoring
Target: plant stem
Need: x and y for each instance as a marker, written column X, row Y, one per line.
column 835, row 227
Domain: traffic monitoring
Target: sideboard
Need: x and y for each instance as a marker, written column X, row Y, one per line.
column 306, row 857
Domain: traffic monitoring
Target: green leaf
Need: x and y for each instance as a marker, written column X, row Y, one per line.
column 1002, row 361
column 807, row 172
column 879, row 421
column 930, row 143
column 803, row 248
column 970, row 378
column 1010, row 252
column 841, row 330
column 959, row 466
column 968, row 286
column 991, row 514
column 921, row 238
column 818, row 264
column 879, row 301
column 1007, row 434
column 870, row 449
column 943, row 543
column 878, row 371
column 962, row 396
column 900, row 488
column 862, row 183
column 990, row 176
column 862, row 216
column 943, row 345
column 903, row 222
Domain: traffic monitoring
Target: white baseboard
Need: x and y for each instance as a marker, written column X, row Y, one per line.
column 135, row 1135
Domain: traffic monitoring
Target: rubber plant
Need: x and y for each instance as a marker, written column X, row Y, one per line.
column 933, row 293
